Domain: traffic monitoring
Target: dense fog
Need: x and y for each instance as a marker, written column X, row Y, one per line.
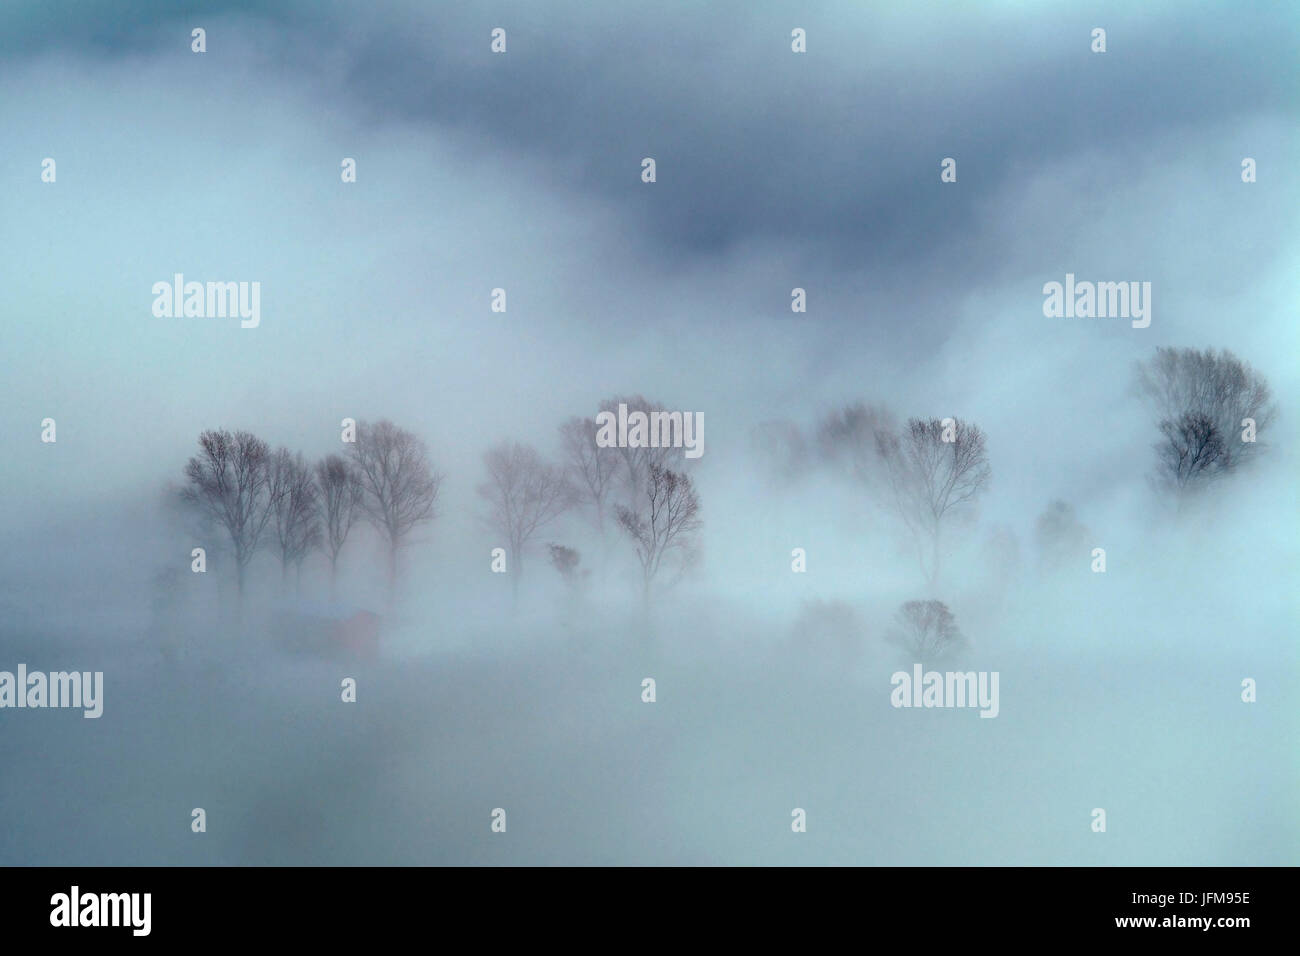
column 774, row 635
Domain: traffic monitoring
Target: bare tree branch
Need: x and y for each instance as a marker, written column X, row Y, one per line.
column 664, row 525
column 590, row 469
column 400, row 487
column 229, row 481
column 1201, row 399
column 524, row 494
column 637, row 462
column 294, row 508
column 926, row 629
column 341, row 494
column 932, row 478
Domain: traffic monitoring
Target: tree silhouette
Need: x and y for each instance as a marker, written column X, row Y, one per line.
column 524, row 494
column 295, row 512
column 229, row 481
column 926, row 629
column 637, row 462
column 850, row 439
column 566, row 562
column 340, row 494
column 936, row 468
column 663, row 524
column 590, row 469
column 1202, row 400
column 400, row 487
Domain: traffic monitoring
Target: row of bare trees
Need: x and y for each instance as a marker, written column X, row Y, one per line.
column 1211, row 411
column 280, row 502
column 654, row 506
column 275, row 499
column 1211, row 407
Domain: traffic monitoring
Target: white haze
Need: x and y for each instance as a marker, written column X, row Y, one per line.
column 1118, row 690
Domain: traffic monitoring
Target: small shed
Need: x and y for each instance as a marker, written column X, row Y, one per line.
column 320, row 628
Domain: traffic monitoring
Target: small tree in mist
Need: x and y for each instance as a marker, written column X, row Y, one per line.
column 524, row 493
column 229, row 481
column 566, row 562
column 1192, row 450
column 637, row 462
column 591, row 470
column 1202, row 400
column 1060, row 538
column 295, row 504
column 399, row 485
column 849, row 439
column 934, row 471
column 340, row 499
column 926, row 629
column 663, row 524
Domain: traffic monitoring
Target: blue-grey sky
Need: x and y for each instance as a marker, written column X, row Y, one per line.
column 476, row 170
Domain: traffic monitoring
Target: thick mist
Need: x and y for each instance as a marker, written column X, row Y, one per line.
column 1119, row 689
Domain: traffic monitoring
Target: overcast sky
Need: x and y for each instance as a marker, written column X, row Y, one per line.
column 522, row 171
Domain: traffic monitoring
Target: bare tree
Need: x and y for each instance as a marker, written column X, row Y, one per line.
column 663, row 525
column 340, row 491
column 848, row 439
column 576, row 579
column 399, row 485
column 523, row 493
column 294, row 509
column 566, row 561
column 935, row 468
column 1192, row 450
column 1202, row 400
column 637, row 462
column 926, row 629
column 229, row 481
column 185, row 520
column 590, row 469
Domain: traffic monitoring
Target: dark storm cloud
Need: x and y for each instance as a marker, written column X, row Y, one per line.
column 832, row 157
column 837, row 150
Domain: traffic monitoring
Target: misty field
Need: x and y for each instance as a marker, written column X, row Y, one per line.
column 756, row 714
